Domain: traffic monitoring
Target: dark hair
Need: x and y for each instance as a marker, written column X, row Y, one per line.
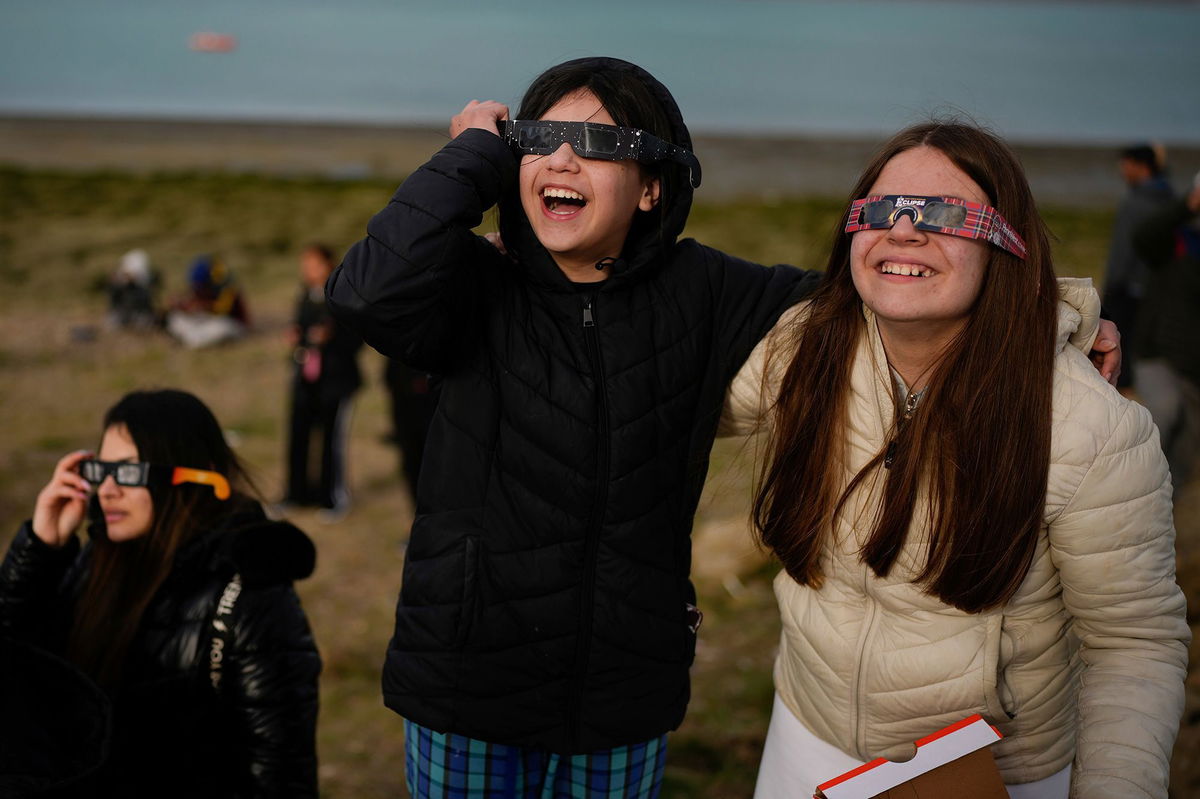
column 631, row 102
column 169, row 428
column 1145, row 155
column 324, row 251
column 979, row 442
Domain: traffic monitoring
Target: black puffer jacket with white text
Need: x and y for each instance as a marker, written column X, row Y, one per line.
column 172, row 734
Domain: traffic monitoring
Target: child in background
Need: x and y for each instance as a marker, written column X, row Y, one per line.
column 324, row 379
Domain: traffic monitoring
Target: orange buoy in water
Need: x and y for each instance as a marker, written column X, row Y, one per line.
column 209, row 42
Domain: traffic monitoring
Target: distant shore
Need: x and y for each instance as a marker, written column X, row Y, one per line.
column 734, row 166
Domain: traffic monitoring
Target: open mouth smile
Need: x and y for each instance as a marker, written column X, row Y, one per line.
column 562, row 202
column 905, row 270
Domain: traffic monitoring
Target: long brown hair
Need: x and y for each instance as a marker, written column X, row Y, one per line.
column 979, row 443
column 169, row 428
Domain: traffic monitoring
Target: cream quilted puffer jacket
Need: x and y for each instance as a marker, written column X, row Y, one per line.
column 1086, row 663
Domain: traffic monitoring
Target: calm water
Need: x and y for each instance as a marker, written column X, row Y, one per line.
column 1057, row 71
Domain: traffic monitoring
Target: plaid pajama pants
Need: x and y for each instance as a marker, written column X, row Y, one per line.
column 446, row 766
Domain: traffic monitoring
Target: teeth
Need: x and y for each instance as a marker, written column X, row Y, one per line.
column 908, row 270
column 565, row 194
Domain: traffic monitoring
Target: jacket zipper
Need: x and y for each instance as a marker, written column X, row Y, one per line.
column 592, row 539
column 858, row 688
column 910, row 407
column 860, row 674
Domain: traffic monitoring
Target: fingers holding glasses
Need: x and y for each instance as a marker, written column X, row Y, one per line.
column 62, row 503
column 485, row 115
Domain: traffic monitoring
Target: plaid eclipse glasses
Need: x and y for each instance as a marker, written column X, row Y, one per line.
column 948, row 215
column 595, row 140
column 130, row 474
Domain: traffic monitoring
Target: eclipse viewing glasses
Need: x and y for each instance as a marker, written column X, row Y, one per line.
column 596, row 140
column 131, row 474
column 948, row 215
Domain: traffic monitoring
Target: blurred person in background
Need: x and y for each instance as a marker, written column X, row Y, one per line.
column 1168, row 342
column 325, row 377
column 180, row 607
column 212, row 310
column 131, row 293
column 1142, row 167
column 413, row 399
column 970, row 519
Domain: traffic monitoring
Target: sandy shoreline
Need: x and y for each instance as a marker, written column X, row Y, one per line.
column 733, row 166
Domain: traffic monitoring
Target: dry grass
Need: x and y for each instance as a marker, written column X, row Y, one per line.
column 61, row 234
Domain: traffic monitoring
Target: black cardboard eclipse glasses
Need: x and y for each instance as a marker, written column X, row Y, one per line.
column 596, row 140
column 130, row 474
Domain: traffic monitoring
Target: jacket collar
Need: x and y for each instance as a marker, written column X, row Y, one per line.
column 263, row 551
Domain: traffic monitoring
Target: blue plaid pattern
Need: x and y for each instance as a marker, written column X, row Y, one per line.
column 446, row 766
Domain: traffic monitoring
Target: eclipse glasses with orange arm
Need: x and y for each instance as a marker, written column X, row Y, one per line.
column 131, row 474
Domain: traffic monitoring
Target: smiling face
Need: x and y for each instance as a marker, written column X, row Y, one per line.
column 914, row 277
column 581, row 209
column 128, row 510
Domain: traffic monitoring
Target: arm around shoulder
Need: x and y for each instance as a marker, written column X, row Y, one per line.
column 754, row 389
column 750, row 298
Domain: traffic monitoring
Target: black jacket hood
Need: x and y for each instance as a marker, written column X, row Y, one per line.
column 643, row 246
column 263, row 551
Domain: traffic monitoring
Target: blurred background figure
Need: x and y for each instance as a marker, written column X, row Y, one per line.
column 213, row 309
column 1168, row 340
column 413, row 396
column 1142, row 167
column 131, row 293
column 325, row 377
column 180, row 606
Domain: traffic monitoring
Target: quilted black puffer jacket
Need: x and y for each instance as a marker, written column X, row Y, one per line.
column 172, row 733
column 545, row 593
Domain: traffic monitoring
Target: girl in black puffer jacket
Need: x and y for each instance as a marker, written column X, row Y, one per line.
column 181, row 608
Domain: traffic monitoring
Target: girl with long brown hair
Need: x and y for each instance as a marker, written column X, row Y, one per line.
column 180, row 607
column 969, row 518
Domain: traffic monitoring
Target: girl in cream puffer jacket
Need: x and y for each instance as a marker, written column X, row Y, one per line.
column 1081, row 666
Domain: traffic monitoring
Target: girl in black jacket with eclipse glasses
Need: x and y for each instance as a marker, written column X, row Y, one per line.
column 180, row 607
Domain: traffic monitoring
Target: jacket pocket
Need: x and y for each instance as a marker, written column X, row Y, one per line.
column 692, row 618
column 469, row 602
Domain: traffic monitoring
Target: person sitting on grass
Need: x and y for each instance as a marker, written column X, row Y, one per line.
column 213, row 310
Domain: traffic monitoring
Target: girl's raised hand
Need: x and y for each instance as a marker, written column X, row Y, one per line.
column 483, row 115
column 62, row 504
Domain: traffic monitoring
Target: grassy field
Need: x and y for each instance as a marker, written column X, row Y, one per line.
column 61, row 234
